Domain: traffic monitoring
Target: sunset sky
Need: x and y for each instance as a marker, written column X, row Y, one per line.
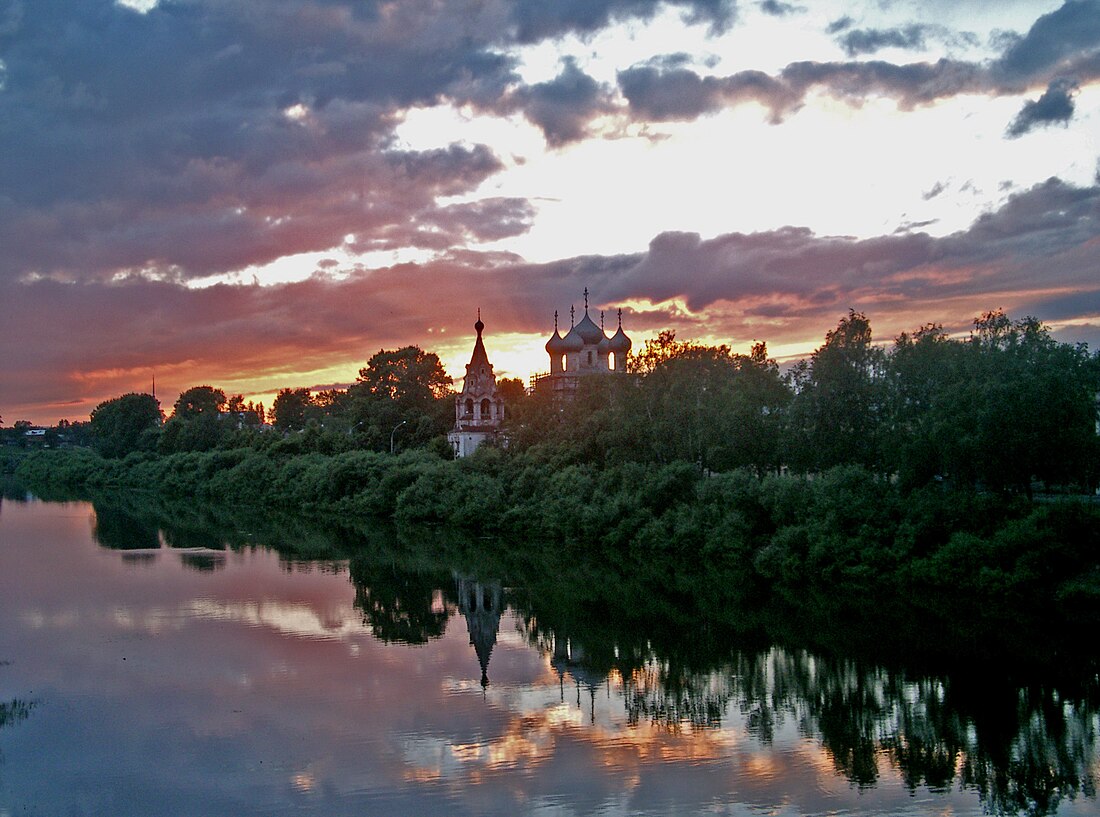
column 262, row 194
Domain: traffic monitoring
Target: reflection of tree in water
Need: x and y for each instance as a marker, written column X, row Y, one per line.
column 1023, row 751
column 117, row 529
column 673, row 701
column 399, row 605
column 203, row 562
column 15, row 711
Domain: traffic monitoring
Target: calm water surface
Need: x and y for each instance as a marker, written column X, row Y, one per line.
column 143, row 678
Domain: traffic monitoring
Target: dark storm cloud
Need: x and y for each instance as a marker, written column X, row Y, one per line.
column 778, row 9
column 1056, row 39
column 915, row 36
column 538, row 19
column 563, row 107
column 1055, row 105
column 208, row 135
column 1063, row 43
column 869, row 40
column 662, row 94
column 792, row 274
column 240, row 217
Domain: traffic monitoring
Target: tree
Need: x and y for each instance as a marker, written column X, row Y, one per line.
column 406, row 388
column 127, row 423
column 922, row 371
column 836, row 415
column 665, row 347
column 249, row 415
column 199, row 400
column 197, row 421
column 290, row 409
column 1002, row 408
column 408, row 375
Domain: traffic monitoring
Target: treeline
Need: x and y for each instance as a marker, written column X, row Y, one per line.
column 404, row 389
column 1004, row 409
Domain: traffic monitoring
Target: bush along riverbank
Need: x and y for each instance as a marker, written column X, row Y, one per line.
column 841, row 539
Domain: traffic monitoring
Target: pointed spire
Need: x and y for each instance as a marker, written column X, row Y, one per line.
column 601, row 321
column 586, row 300
column 620, row 317
column 555, row 320
column 479, row 325
column 572, row 316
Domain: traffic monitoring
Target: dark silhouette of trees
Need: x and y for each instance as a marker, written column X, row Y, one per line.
column 840, row 395
column 1002, row 408
column 291, row 409
column 127, row 423
column 197, row 421
column 401, row 389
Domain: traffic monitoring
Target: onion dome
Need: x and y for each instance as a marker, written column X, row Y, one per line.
column 554, row 345
column 572, row 342
column 589, row 332
column 619, row 344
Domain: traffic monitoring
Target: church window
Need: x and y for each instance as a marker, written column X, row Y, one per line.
column 589, row 358
column 611, row 361
column 469, row 407
column 485, row 408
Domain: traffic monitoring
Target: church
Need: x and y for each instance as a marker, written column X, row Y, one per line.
column 479, row 407
column 585, row 350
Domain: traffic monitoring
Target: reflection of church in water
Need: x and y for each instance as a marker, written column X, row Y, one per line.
column 585, row 350
column 480, row 604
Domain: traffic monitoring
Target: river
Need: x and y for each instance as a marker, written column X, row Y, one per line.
column 153, row 669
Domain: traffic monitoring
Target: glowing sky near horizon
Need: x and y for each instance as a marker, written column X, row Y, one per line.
column 258, row 201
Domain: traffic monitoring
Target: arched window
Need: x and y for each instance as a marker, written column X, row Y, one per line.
column 611, row 361
column 589, row 358
column 486, row 408
column 563, row 359
column 469, row 407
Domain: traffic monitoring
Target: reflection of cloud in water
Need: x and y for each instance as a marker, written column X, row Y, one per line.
column 299, row 620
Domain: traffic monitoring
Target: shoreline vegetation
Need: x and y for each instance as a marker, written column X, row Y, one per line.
column 867, row 484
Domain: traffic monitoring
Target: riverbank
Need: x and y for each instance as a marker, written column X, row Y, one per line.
column 844, row 547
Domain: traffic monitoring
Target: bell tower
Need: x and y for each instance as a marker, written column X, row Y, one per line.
column 479, row 408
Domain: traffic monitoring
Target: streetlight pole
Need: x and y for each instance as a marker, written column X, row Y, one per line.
column 403, row 422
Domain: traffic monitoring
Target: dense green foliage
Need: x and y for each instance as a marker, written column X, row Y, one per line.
column 127, row 423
